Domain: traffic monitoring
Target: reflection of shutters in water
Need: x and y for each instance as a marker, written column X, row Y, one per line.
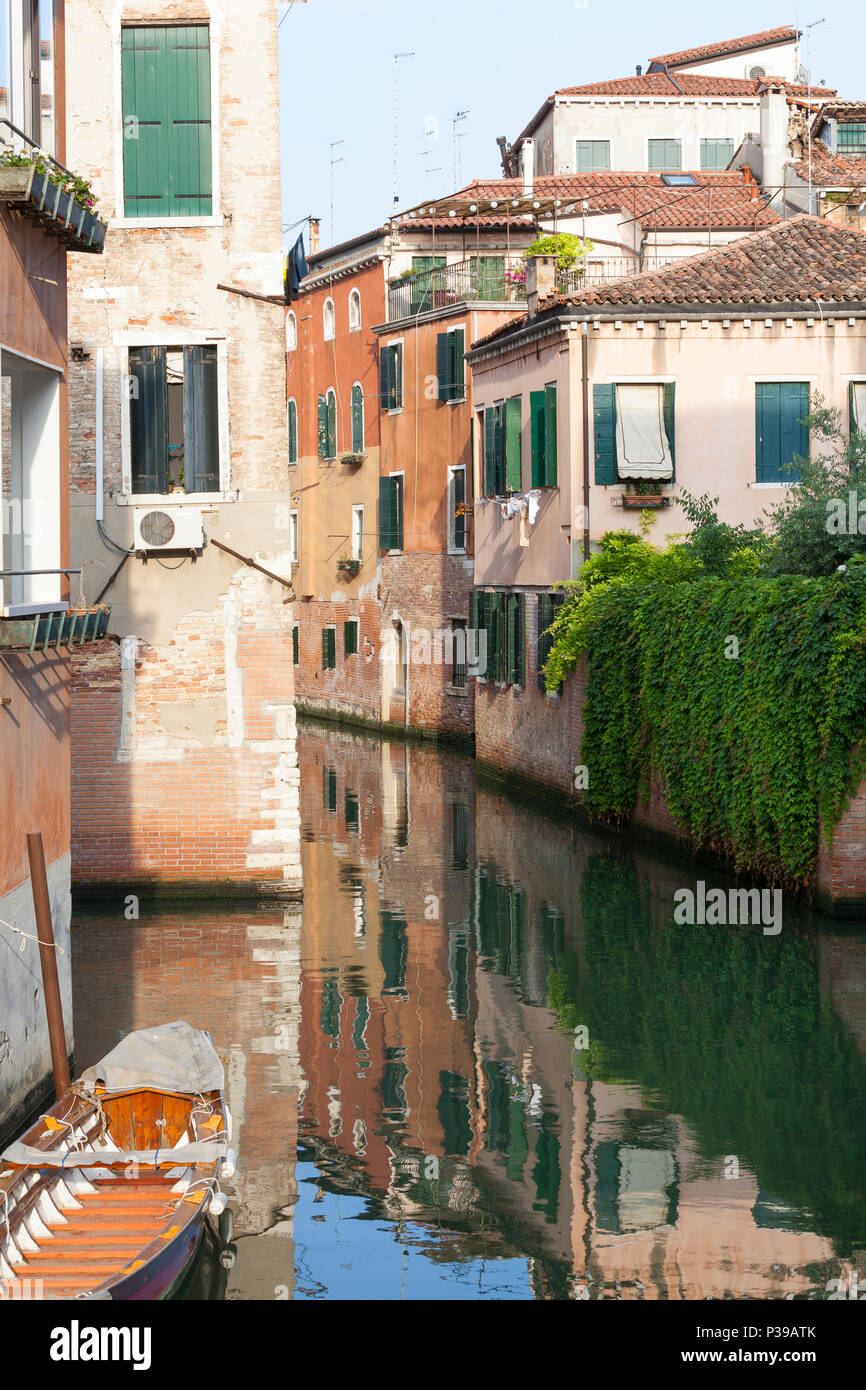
column 359, row 1027
column 458, row 972
column 454, row 1113
column 635, row 1188
column 502, row 926
column 332, row 1003
column 459, row 835
column 392, row 1087
column 394, row 952
column 547, row 1173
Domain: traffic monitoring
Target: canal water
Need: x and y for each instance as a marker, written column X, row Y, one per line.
column 481, row 1061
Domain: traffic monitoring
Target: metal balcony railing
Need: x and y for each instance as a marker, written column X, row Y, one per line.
column 614, row 268
column 479, row 279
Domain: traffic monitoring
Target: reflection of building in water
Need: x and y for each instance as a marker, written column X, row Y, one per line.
column 234, row 971
column 455, row 946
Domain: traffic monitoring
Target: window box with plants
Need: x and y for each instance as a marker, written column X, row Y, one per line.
column 645, row 492
column 348, row 566
column 59, row 201
column 353, row 460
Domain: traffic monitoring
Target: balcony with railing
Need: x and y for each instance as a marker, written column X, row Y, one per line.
column 478, row 279
column 580, row 277
column 39, row 187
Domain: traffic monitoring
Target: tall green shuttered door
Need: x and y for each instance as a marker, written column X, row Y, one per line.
column 167, row 166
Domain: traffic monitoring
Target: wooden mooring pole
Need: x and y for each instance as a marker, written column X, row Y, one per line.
column 48, row 961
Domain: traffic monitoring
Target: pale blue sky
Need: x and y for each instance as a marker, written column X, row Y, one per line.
column 498, row 59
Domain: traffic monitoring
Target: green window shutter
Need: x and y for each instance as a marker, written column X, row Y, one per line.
column 545, row 617
column 296, row 645
column 489, row 433
column 550, row 436
column 537, row 422
column 514, row 444
column 852, row 422
column 386, row 520
column 148, row 420
column 293, row 432
column 397, row 376
column 779, row 432
column 669, row 393
column 200, row 420
column 167, row 157
column 357, row 419
column 384, row 378
column 350, row 637
column 443, row 366
column 604, row 411
column 397, row 511
column 323, row 427
column 331, row 402
column 190, row 115
column 326, row 649
column 516, row 605
column 458, row 374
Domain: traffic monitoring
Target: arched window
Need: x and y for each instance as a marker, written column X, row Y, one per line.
column 357, row 418
column 330, row 320
column 292, row 430
column 354, row 311
column 291, row 331
column 328, row 425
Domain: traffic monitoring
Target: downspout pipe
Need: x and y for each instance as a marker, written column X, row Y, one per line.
column 584, row 391
column 100, row 441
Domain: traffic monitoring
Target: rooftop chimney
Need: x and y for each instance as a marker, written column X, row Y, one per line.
column 314, row 235
column 638, row 70
column 527, row 166
column 540, row 280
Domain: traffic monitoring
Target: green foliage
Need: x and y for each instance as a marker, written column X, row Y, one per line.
column 79, row 188
column 565, row 246
column 817, row 527
column 753, row 743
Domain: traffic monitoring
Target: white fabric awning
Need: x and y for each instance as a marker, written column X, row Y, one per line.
column 858, row 395
column 642, row 448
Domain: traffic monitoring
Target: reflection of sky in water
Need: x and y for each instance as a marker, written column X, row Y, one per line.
column 343, row 1250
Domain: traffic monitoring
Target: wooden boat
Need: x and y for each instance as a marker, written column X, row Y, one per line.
column 106, row 1195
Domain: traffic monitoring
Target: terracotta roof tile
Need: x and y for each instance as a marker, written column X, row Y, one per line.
column 722, row 199
column 794, row 263
column 689, row 84
column 785, row 34
column 831, row 170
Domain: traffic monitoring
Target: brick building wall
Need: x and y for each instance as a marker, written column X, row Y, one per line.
column 426, row 592
column 194, row 778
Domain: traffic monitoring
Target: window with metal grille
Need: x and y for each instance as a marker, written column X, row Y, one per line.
column 852, row 137
column 457, row 509
column 166, row 95
column 174, row 419
column 458, row 654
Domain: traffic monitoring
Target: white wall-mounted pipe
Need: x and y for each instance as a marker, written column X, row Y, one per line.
column 100, row 456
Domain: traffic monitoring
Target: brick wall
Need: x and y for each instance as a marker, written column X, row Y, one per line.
column 353, row 687
column 425, row 591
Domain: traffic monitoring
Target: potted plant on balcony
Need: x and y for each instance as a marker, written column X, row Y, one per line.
column 346, row 565
column 353, row 459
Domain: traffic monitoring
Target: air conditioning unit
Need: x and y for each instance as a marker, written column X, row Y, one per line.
column 167, row 528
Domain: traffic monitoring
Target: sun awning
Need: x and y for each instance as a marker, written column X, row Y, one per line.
column 642, row 447
column 858, row 402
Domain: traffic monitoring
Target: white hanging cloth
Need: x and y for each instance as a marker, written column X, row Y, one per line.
column 642, row 448
column 858, row 394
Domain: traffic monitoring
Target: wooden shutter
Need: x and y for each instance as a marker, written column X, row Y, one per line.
column 669, row 403
column 397, row 376
column 550, row 436
column 331, row 402
column 779, row 432
column 201, row 420
column 293, row 432
column 489, row 473
column 514, row 444
column 443, row 366
column 167, row 158
column 384, row 394
column 538, row 420
column 604, row 411
column 397, row 511
column 323, row 427
column 357, row 419
column 386, row 523
column 545, row 617
column 350, row 644
column 325, row 651
column 296, row 645
column 190, row 116
column 458, row 373
column 516, row 606
column 148, row 419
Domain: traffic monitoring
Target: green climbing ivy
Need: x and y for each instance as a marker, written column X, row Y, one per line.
column 746, row 695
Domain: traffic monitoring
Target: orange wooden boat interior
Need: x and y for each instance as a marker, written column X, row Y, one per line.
column 102, row 1223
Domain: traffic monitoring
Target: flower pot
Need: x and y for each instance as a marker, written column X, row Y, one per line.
column 349, row 567
column 63, row 206
column 14, row 180
column 646, row 499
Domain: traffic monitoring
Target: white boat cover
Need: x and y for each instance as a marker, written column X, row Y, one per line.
column 27, row 1156
column 172, row 1057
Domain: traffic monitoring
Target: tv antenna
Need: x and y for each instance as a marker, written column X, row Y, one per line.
column 397, row 58
column 457, row 136
column 334, row 162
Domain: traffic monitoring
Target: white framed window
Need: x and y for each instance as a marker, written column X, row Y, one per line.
column 294, row 537
column 291, row 331
column 357, row 533
column 292, row 430
column 30, row 504
column 457, row 510
column 27, row 69
column 355, row 311
column 329, row 320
